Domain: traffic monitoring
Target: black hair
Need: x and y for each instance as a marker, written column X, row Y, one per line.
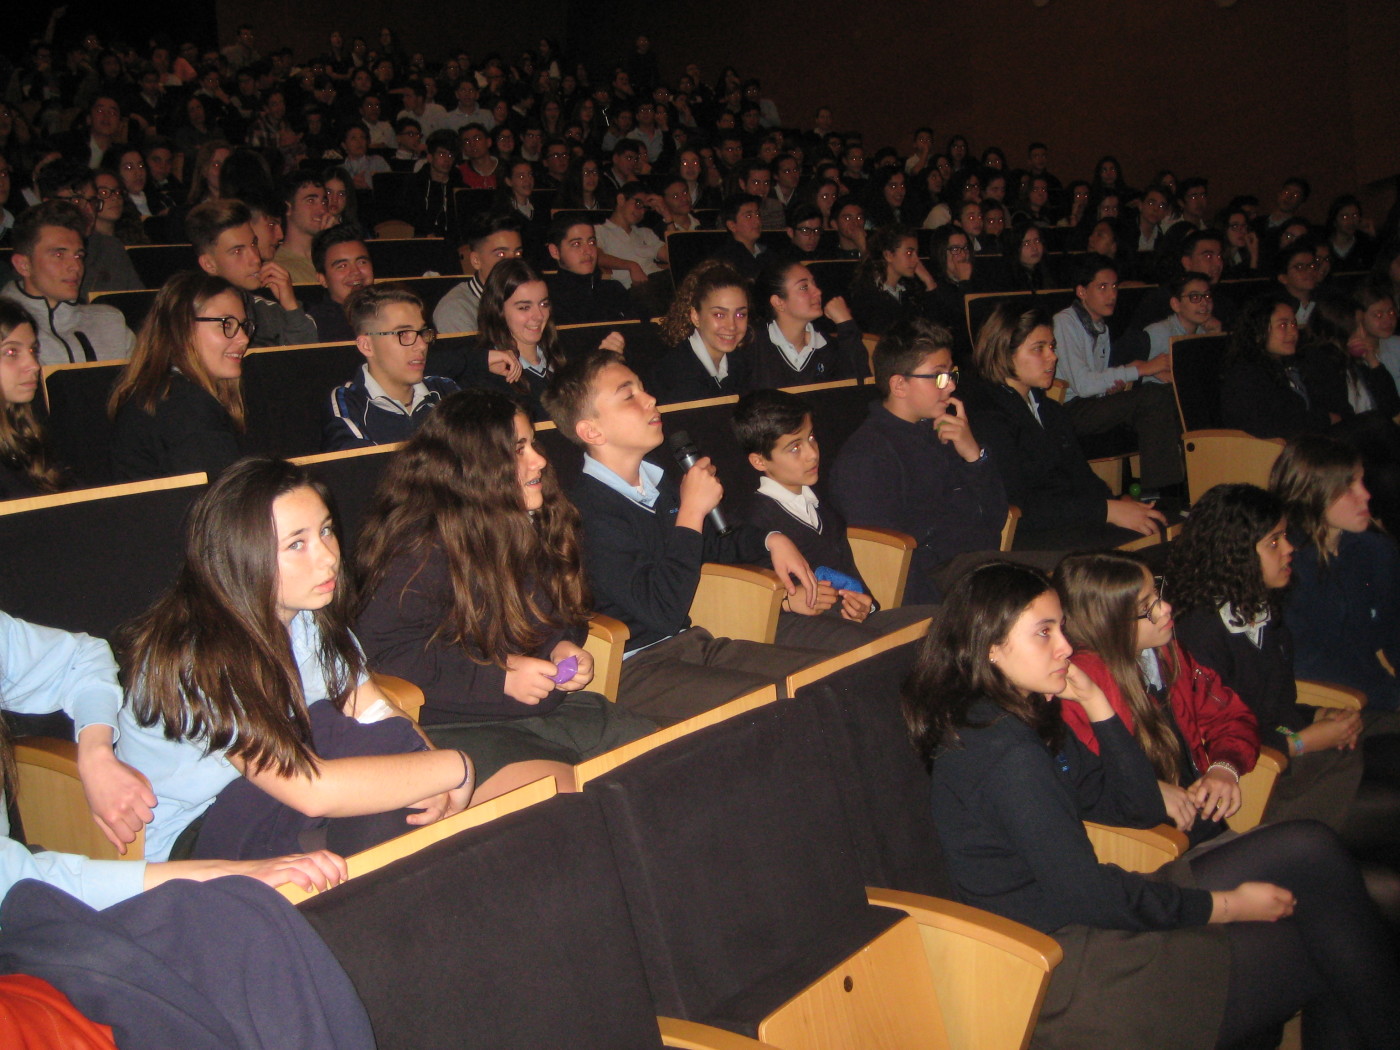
column 762, row 417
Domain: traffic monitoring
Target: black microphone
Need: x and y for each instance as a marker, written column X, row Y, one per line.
column 687, row 455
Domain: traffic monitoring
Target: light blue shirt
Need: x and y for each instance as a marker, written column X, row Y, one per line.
column 1084, row 357
column 1389, row 353
column 184, row 776
column 44, row 670
column 644, row 495
column 1160, row 335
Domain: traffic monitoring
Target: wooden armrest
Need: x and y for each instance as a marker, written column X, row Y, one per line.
column 990, row 973
column 1136, row 849
column 1326, row 694
column 738, row 601
column 400, row 691
column 607, row 638
column 1008, row 530
column 883, row 557
column 691, row 1035
column 53, row 807
column 1255, row 788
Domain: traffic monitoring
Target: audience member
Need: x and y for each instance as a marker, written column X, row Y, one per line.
column 343, row 265
column 304, row 195
column 26, row 467
column 707, row 328
column 578, row 293
column 797, row 339
column 491, row 239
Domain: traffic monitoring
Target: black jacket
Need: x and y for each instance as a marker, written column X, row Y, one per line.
column 843, row 357
column 679, row 376
column 189, row 431
column 576, row 299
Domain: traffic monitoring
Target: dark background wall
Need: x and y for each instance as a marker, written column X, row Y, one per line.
column 1245, row 94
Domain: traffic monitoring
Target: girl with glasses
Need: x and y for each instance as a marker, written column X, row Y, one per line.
column 177, row 407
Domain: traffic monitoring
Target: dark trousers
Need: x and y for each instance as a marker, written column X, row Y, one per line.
column 1150, row 409
column 694, row 671
column 832, row 634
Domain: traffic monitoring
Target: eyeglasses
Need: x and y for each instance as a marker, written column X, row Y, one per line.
column 1154, row 607
column 807, row 231
column 1196, row 298
column 956, row 249
column 409, row 336
column 103, row 193
column 942, row 380
column 80, row 201
column 231, row 325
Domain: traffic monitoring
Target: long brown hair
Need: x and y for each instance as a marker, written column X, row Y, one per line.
column 211, row 660
column 1312, row 473
column 22, row 445
column 166, row 342
column 1100, row 596
column 454, row 486
column 493, row 330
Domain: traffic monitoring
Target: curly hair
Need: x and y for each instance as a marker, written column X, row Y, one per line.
column 1311, row 474
column 874, row 268
column 1250, row 342
column 454, row 486
column 1214, row 561
column 953, row 670
column 1100, row 596
column 707, row 278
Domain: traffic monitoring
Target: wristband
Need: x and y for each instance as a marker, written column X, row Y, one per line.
column 1227, row 767
column 1295, row 742
column 466, row 771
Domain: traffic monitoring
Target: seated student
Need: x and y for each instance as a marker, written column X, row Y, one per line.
column 1198, row 735
column 774, row 429
column 707, row 328
column 1101, row 397
column 1064, row 504
column 473, row 588
column 106, row 266
column 1344, row 605
column 343, row 265
column 177, row 406
column 48, row 259
column 47, row 670
column 1026, row 268
column 578, row 293
column 677, row 210
column 951, row 258
column 848, row 220
column 428, row 201
column 304, row 195
column 891, row 284
column 1226, row 574
column 914, row 465
column 26, row 468
column 1192, row 305
column 803, row 340
column 645, row 537
column 361, row 165
column 804, row 230
column 740, row 215
column 1010, row 792
column 226, row 245
column 390, row 396
column 631, row 251
column 1295, row 268
column 250, row 709
column 490, row 239
column 1202, row 252
column 516, row 324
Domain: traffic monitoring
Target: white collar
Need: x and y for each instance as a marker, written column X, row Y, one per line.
column 1254, row 628
column 719, row 373
column 379, row 396
column 1151, row 668
column 644, row 494
column 795, row 357
column 801, row 505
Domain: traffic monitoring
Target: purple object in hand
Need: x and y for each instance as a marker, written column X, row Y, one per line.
column 568, row 667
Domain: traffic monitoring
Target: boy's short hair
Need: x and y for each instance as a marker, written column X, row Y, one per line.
column 62, row 213
column 363, row 304
column 1090, row 266
column 626, row 146
column 206, row 222
column 323, row 242
column 570, row 396
column 762, row 417
column 1179, row 285
column 404, row 123
column 729, row 208
column 900, row 350
column 293, row 181
column 490, row 224
column 443, row 139
column 562, row 223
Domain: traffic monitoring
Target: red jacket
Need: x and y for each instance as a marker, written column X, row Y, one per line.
column 1215, row 722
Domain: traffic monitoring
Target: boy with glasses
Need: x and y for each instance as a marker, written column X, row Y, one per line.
column 390, row 396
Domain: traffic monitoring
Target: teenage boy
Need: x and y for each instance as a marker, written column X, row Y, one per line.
column 1192, row 304
column 48, row 261
column 915, row 465
column 226, row 246
column 645, row 537
column 774, row 429
column 628, row 249
column 578, row 294
column 492, row 238
column 741, row 214
column 1101, row 397
column 343, row 266
column 390, row 396
column 1295, row 267
column 304, row 194
column 1201, row 251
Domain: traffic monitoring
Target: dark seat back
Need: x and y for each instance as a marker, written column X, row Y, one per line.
column 738, row 866
column 79, row 431
column 287, row 390
column 411, row 257
column 133, row 305
column 1196, row 367
column 514, row 934
column 157, row 263
column 118, row 554
column 352, row 481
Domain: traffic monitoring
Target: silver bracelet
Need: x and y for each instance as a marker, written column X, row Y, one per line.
column 1227, row 767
